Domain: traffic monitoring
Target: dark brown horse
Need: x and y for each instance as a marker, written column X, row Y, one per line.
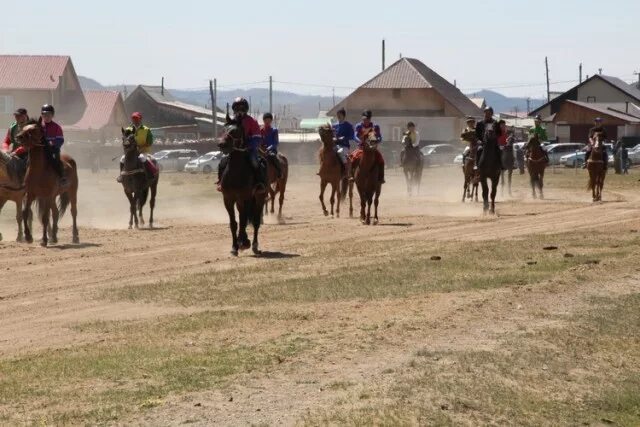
column 11, row 186
column 42, row 186
column 367, row 178
column 135, row 182
column 412, row 165
column 596, row 167
column 332, row 173
column 536, row 164
column 490, row 168
column 276, row 185
column 238, row 189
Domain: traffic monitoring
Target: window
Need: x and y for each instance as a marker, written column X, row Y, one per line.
column 6, row 104
column 396, row 134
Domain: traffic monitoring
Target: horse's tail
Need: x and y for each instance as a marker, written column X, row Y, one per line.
column 63, row 203
column 253, row 213
column 142, row 200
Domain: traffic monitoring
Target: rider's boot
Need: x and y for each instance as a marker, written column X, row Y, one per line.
column 354, row 166
column 259, row 176
column 119, row 178
column 586, row 159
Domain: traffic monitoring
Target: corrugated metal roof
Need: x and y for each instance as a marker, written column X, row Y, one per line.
column 100, row 107
column 410, row 73
column 31, row 72
column 607, row 110
column 163, row 96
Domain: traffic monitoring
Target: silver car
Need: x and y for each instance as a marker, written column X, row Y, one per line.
column 204, row 164
column 174, row 160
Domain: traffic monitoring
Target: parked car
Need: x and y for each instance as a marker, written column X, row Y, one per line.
column 557, row 151
column 439, row 154
column 204, row 164
column 576, row 159
column 458, row 159
column 174, row 160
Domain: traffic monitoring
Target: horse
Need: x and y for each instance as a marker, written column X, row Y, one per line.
column 238, row 182
column 596, row 167
column 490, row 167
column 11, row 188
column 276, row 185
column 471, row 176
column 367, row 179
column 508, row 164
column 333, row 173
column 42, row 185
column 135, row 182
column 536, row 164
column 412, row 164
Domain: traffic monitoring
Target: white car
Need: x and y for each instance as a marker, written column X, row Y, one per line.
column 204, row 164
column 174, row 160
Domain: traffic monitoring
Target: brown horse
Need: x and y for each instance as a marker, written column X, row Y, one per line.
column 135, row 182
column 471, row 175
column 276, row 185
column 596, row 167
column 238, row 189
column 367, row 178
column 11, row 187
column 536, row 164
column 412, row 164
column 41, row 182
column 332, row 173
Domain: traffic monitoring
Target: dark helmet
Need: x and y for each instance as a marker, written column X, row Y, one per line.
column 266, row 116
column 48, row 108
column 240, row 104
column 411, row 125
column 488, row 109
column 470, row 119
column 538, row 118
column 367, row 113
column 342, row 111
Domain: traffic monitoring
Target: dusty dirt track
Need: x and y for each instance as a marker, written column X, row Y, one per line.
column 44, row 292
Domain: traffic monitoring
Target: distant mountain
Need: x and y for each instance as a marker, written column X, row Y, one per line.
column 505, row 104
column 296, row 105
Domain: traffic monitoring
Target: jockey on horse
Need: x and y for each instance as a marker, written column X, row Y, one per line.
column 12, row 146
column 54, row 139
column 270, row 141
column 344, row 134
column 469, row 137
column 144, row 139
column 414, row 138
column 253, row 138
column 487, row 129
column 597, row 128
column 363, row 130
column 541, row 132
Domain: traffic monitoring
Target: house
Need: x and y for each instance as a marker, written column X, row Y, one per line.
column 30, row 81
column 481, row 103
column 406, row 91
column 101, row 120
column 172, row 118
column 573, row 119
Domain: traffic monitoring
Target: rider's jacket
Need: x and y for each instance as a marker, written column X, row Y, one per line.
column 53, row 135
column 362, row 130
column 270, row 138
column 344, row 133
column 144, row 138
column 10, row 142
column 484, row 127
column 415, row 138
column 540, row 131
column 252, row 133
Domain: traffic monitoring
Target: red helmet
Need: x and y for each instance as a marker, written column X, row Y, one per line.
column 136, row 116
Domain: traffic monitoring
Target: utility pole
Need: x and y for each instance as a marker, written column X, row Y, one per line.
column 213, row 89
column 333, row 93
column 455, row 83
column 162, row 87
column 384, row 52
column 546, row 65
column 528, row 106
column 637, row 73
column 270, row 94
column 580, row 72
column 600, row 71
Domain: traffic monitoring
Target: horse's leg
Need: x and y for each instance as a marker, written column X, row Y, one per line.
column 376, row 200
column 332, row 199
column 73, row 202
column 44, row 209
column 363, row 205
column 338, row 197
column 283, row 188
column 532, row 181
column 502, row 183
column 20, row 237
column 510, row 178
column 55, row 216
column 26, row 215
column 407, row 179
column 465, row 188
column 485, row 193
column 494, row 191
column 541, row 183
column 243, row 238
column 233, row 225
column 273, row 197
column 323, row 186
column 132, row 207
column 350, row 199
column 255, row 246
column 152, row 202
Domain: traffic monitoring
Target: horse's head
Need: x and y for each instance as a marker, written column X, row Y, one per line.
column 233, row 135
column 31, row 135
column 326, row 135
column 406, row 140
column 370, row 141
column 129, row 143
column 598, row 140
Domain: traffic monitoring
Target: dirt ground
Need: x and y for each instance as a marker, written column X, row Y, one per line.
column 46, row 293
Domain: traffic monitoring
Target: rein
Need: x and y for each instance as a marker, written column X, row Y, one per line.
column 132, row 172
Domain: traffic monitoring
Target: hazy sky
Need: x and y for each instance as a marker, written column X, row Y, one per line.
column 481, row 44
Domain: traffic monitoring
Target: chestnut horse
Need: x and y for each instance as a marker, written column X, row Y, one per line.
column 276, row 185
column 11, row 188
column 135, row 182
column 596, row 167
column 536, row 164
column 41, row 183
column 367, row 179
column 333, row 173
column 238, row 182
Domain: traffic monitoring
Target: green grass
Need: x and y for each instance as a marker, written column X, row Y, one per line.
column 395, row 270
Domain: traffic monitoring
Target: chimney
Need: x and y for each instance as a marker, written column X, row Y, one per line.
column 626, row 108
column 162, row 87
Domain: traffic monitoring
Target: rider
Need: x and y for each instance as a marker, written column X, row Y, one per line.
column 468, row 136
column 144, row 139
column 597, row 128
column 10, row 143
column 344, row 133
column 54, row 138
column 362, row 130
column 413, row 134
column 541, row 132
column 486, row 129
column 270, row 141
column 253, row 138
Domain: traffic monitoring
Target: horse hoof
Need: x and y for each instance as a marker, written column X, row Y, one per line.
column 375, row 221
column 256, row 251
column 326, row 213
column 43, row 244
column 20, row 239
column 76, row 240
column 28, row 240
column 234, row 252
column 244, row 246
column 54, row 241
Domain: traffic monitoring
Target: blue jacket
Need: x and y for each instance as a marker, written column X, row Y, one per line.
column 361, row 130
column 344, row 133
column 270, row 138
